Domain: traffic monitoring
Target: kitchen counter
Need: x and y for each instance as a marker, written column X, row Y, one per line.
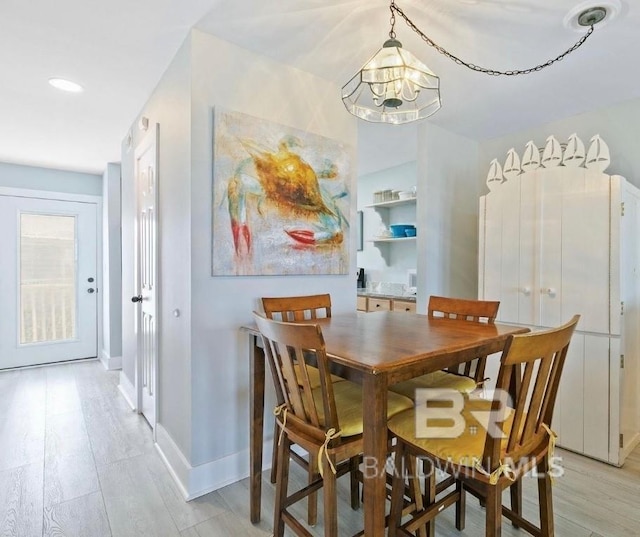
column 369, row 294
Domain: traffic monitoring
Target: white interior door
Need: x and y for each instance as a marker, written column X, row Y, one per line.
column 48, row 285
column 146, row 300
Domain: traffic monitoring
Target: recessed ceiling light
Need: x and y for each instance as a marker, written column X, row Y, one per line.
column 66, row 85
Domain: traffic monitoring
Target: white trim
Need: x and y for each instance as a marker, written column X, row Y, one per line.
column 127, row 390
column 49, row 195
column 110, row 363
column 197, row 481
column 630, row 446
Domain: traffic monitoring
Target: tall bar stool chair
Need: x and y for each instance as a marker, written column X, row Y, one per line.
column 466, row 377
column 296, row 309
column 498, row 443
column 326, row 421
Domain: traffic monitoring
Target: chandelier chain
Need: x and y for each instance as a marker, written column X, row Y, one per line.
column 392, row 20
column 494, row 72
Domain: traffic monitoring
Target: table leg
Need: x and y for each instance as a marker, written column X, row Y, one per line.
column 256, row 432
column 375, row 454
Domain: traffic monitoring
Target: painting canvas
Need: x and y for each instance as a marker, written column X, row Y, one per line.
column 280, row 199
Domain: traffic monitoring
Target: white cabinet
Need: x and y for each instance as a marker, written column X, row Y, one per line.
column 553, row 242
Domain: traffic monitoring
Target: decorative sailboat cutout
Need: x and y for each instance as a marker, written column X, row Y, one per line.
column 494, row 177
column 531, row 157
column 571, row 155
column 574, row 154
column 598, row 157
column 512, row 168
column 552, row 154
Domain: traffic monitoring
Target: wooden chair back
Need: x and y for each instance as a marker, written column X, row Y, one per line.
column 479, row 311
column 534, row 390
column 288, row 344
column 297, row 308
column 459, row 308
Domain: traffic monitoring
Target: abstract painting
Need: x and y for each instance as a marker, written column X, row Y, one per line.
column 281, row 199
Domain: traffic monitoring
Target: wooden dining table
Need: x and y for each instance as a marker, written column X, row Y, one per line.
column 376, row 350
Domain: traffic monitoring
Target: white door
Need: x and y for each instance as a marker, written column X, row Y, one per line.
column 48, row 288
column 146, row 299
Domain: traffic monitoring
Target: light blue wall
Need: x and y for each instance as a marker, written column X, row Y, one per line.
column 618, row 125
column 32, row 178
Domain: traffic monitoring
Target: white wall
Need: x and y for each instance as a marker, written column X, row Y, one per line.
column 384, row 262
column 618, row 125
column 169, row 105
column 447, row 214
column 204, row 371
column 236, row 79
column 34, row 178
column 111, row 352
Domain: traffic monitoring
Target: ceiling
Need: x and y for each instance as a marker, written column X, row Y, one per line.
column 119, row 49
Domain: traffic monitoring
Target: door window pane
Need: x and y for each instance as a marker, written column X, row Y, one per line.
column 47, row 278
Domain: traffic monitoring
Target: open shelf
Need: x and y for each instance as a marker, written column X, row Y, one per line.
column 393, row 203
column 393, row 239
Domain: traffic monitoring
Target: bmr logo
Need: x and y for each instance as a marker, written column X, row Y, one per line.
column 439, row 413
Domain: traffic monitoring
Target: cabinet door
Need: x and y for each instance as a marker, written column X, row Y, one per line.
column 581, row 416
column 404, row 305
column 361, row 303
column 378, row 304
column 586, row 238
column 500, row 248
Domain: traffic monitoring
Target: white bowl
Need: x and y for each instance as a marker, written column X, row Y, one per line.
column 405, row 195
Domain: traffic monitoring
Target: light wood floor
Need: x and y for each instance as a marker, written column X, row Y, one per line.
column 75, row 461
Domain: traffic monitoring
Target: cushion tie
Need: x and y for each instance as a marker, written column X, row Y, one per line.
column 331, row 434
column 503, row 469
column 553, row 436
column 277, row 411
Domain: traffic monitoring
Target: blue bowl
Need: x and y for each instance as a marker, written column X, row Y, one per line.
column 400, row 230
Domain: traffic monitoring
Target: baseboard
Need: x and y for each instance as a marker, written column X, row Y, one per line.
column 196, row 481
column 110, row 363
column 127, row 390
column 629, row 447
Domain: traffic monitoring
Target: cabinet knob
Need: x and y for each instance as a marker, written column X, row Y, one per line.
column 526, row 291
column 550, row 291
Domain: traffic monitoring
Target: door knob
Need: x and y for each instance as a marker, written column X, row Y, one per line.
column 136, row 298
column 91, row 290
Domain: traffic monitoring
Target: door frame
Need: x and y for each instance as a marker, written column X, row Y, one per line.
column 152, row 137
column 81, row 198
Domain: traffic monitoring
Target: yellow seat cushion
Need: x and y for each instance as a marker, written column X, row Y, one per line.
column 465, row 449
column 437, row 379
column 348, row 397
column 314, row 376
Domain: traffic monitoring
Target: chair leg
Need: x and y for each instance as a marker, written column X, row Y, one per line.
column 274, row 455
column 515, row 491
column 312, row 499
column 354, row 468
column 461, row 506
column 545, row 498
column 411, row 465
column 430, row 495
column 330, row 495
column 397, row 489
column 494, row 512
column 282, row 482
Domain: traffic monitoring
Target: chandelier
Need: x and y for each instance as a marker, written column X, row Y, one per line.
column 395, row 87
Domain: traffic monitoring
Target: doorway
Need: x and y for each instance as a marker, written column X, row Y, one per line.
column 48, row 281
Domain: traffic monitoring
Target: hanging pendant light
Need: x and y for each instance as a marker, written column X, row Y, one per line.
column 395, row 87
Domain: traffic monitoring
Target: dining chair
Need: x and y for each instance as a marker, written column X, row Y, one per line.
column 464, row 377
column 325, row 421
column 296, row 309
column 496, row 444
